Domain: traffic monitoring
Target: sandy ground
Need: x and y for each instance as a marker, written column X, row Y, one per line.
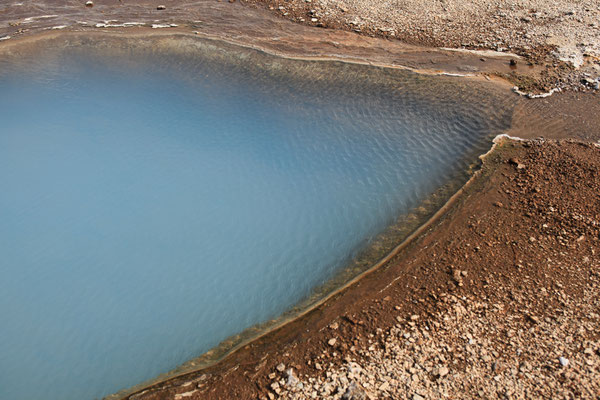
column 564, row 36
column 498, row 299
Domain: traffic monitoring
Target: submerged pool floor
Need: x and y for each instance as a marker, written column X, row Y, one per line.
column 155, row 202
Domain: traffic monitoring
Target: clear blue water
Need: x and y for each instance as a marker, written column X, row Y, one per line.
column 151, row 207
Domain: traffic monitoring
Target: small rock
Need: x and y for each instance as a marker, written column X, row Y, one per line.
column 291, row 378
column 443, row 372
column 589, row 80
column 563, row 361
column 280, row 367
column 161, row 7
column 516, row 162
column 533, row 318
column 417, row 396
column 513, row 62
column 89, row 4
column 456, row 275
column 332, row 342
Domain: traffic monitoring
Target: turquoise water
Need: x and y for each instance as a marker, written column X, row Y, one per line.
column 151, row 206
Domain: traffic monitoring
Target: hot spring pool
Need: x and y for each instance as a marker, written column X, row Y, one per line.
column 157, row 197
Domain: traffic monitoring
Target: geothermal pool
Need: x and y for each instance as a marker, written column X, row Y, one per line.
column 156, row 199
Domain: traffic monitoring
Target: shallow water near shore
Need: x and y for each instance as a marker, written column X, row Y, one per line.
column 159, row 196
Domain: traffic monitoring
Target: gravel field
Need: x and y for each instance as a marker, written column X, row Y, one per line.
column 476, row 348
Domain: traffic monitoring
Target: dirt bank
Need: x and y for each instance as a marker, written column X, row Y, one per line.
column 486, row 302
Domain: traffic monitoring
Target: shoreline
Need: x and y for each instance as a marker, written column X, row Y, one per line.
column 555, row 115
column 15, row 49
column 267, row 31
column 304, row 307
column 549, row 45
column 559, row 37
column 423, row 53
column 293, row 346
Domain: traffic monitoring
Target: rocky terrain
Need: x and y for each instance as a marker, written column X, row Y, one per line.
column 563, row 36
column 474, row 347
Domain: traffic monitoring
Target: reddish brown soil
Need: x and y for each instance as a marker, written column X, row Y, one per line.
column 533, row 201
